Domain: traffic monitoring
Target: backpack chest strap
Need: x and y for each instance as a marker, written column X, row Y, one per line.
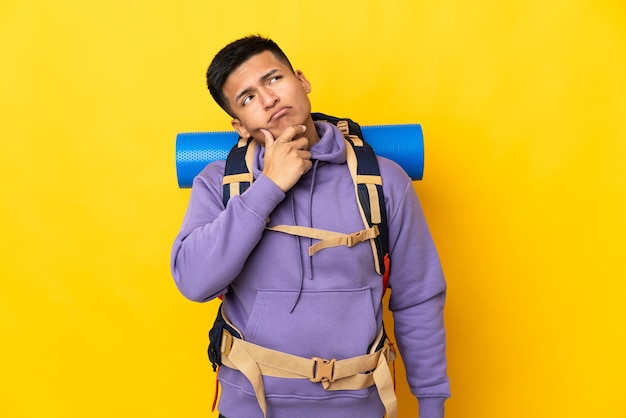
column 327, row 239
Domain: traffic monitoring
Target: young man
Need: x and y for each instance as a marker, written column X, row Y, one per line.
column 312, row 309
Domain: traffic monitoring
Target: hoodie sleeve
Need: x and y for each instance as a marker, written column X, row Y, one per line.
column 214, row 242
column 417, row 299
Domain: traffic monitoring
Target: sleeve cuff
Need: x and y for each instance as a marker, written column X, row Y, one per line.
column 263, row 195
column 431, row 407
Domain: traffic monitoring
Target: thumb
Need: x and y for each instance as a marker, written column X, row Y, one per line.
column 269, row 138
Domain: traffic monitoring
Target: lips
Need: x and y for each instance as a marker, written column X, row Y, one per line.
column 279, row 113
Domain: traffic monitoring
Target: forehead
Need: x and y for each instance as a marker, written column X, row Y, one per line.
column 251, row 71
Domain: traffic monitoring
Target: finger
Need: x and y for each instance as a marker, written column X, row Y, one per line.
column 307, row 166
column 301, row 143
column 304, row 154
column 269, row 138
column 291, row 132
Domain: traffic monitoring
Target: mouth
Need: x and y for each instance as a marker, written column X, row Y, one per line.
column 278, row 114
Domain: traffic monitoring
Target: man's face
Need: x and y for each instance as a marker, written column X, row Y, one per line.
column 264, row 93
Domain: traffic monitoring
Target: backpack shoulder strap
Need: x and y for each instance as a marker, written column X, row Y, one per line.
column 363, row 165
column 368, row 184
column 238, row 174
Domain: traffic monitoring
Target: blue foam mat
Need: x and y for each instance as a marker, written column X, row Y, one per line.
column 403, row 144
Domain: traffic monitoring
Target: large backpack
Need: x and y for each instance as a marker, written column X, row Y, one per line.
column 363, row 165
column 365, row 173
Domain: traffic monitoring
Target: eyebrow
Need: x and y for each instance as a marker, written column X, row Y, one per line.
column 261, row 80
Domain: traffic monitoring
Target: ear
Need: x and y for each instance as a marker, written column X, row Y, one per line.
column 241, row 130
column 305, row 83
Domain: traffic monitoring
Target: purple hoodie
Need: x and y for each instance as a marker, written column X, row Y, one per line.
column 327, row 305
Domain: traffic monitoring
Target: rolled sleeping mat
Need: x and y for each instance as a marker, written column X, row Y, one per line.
column 403, row 143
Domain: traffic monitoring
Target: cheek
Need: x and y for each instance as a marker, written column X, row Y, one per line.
column 303, row 96
column 250, row 120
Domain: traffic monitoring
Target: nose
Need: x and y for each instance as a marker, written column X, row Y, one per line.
column 268, row 98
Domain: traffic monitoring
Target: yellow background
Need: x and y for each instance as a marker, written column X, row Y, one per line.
column 523, row 105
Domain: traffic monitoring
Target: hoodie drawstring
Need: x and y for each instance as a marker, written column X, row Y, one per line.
column 315, row 163
column 293, row 214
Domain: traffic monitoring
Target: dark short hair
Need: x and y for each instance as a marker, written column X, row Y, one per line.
column 231, row 57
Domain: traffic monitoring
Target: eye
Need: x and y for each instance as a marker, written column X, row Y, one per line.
column 275, row 79
column 246, row 100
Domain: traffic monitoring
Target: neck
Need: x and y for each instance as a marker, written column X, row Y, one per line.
column 311, row 133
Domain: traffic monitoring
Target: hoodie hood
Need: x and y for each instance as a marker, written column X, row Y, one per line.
column 331, row 148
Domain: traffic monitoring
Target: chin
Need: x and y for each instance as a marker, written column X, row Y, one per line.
column 292, row 121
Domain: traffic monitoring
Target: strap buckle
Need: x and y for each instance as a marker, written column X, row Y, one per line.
column 322, row 370
column 354, row 239
column 359, row 237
